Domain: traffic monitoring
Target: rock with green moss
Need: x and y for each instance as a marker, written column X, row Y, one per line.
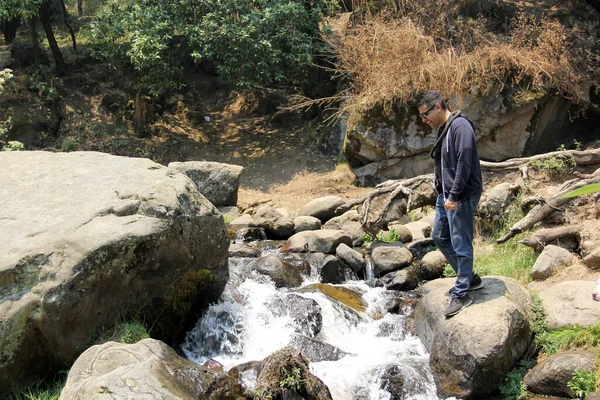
column 90, row 237
column 286, row 373
column 148, row 369
column 552, row 375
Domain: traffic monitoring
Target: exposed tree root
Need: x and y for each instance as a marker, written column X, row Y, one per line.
column 546, row 206
column 391, row 200
column 568, row 237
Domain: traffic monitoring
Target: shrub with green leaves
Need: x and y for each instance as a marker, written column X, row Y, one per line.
column 253, row 43
column 390, row 237
column 513, row 387
column 292, row 379
column 555, row 165
column 583, row 383
column 13, row 145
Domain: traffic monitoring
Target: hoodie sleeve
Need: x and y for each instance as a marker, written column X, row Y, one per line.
column 462, row 139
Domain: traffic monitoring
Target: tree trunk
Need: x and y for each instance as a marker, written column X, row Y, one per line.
column 142, row 115
column 35, row 41
column 80, row 8
column 66, row 18
column 45, row 19
column 9, row 29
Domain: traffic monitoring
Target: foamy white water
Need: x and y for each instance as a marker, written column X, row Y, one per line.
column 242, row 327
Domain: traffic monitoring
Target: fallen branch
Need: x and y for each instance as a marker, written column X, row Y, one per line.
column 583, row 157
column 546, row 206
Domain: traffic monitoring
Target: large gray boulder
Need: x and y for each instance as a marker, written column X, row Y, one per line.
column 149, row 370
column 218, row 182
column 329, row 268
column 570, row 303
column 353, row 258
column 471, row 353
column 283, row 273
column 323, row 208
column 404, row 279
column 88, row 235
column 385, row 145
column 551, row 376
column 306, row 223
column 497, row 199
column 419, row 229
column 348, row 222
column 390, row 257
column 306, row 316
column 321, row 241
column 550, row 260
column 432, row 265
column 315, row 350
column 276, row 224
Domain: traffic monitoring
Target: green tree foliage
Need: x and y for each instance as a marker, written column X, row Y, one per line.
column 30, row 10
column 253, row 43
column 11, row 9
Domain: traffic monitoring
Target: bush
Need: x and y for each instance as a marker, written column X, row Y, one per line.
column 511, row 259
column 253, row 43
column 555, row 165
column 513, row 386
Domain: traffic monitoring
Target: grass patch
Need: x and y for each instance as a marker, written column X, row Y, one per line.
column 574, row 337
column 511, row 259
column 124, row 332
column 39, row 390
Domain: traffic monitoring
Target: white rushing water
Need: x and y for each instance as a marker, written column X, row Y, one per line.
column 242, row 327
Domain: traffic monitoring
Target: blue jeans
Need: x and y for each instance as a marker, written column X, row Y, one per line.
column 453, row 234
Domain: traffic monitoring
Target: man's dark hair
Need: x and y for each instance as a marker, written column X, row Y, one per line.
column 430, row 98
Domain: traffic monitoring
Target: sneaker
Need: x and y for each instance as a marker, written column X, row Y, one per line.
column 457, row 304
column 476, row 284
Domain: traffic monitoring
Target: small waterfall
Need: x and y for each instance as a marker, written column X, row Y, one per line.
column 369, row 269
column 377, row 345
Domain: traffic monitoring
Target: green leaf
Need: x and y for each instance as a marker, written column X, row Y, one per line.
column 592, row 188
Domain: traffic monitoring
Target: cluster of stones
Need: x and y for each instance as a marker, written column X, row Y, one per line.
column 339, row 239
column 334, row 244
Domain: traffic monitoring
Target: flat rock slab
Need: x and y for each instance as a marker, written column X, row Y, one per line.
column 570, row 303
column 87, row 235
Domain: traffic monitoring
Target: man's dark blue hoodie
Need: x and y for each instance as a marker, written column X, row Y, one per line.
column 457, row 168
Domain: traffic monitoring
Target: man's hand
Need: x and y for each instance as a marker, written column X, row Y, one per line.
column 450, row 205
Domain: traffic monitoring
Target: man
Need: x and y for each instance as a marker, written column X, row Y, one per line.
column 458, row 181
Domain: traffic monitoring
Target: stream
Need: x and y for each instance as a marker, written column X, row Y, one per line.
column 371, row 342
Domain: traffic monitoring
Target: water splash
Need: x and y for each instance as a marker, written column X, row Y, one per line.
column 383, row 354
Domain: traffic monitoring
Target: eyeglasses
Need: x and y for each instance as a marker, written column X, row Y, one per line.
column 423, row 115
